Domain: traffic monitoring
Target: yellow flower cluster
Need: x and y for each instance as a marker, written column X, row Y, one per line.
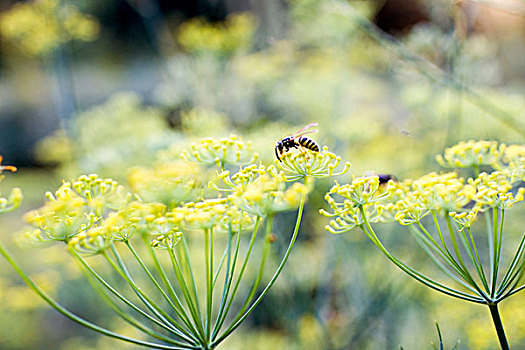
column 74, row 208
column 471, row 154
column 238, row 183
column 495, row 190
column 143, row 218
column 411, row 200
column 200, row 215
column 261, row 191
column 170, row 183
column 39, row 27
column 489, row 153
column 300, row 165
column 363, row 195
column 198, row 35
column 228, row 150
column 438, row 192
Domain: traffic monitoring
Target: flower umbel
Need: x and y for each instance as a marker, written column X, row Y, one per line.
column 221, row 152
column 300, row 165
column 471, row 154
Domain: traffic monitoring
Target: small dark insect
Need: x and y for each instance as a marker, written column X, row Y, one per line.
column 384, row 178
column 298, row 141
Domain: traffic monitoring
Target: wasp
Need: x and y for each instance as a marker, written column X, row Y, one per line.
column 298, row 141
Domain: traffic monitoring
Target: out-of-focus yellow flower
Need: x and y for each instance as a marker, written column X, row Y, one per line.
column 198, row 35
column 227, row 150
column 203, row 122
column 38, row 27
column 170, row 183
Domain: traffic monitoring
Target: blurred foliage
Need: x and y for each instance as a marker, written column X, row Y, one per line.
column 39, row 27
column 387, row 104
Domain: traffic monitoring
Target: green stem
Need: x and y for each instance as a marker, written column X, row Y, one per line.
column 262, row 265
column 228, row 279
column 104, row 295
column 123, row 272
column 208, row 255
column 181, row 312
column 369, row 231
column 166, row 326
column 428, row 245
column 35, row 288
column 498, row 249
column 236, row 323
column 186, row 293
column 513, row 269
column 241, row 274
column 189, row 271
column 499, row 326
column 447, row 255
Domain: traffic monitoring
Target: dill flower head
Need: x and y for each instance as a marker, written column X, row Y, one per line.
column 495, row 190
column 221, row 152
column 465, row 219
column 472, row 154
column 38, row 27
column 199, row 215
column 171, row 183
column 261, row 190
column 236, row 219
column 351, row 204
column 301, row 165
column 92, row 241
column 101, row 194
column 239, row 182
column 74, row 208
column 514, row 159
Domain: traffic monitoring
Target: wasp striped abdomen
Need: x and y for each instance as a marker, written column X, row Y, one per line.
column 308, row 143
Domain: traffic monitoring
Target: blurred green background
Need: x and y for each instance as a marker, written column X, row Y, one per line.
column 94, row 86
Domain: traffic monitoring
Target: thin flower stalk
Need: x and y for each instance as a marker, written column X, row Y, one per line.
column 94, row 216
column 441, row 211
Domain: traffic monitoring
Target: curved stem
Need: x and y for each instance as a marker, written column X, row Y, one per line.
column 239, row 277
column 89, row 269
column 262, row 265
column 178, row 311
column 106, row 297
column 121, row 269
column 228, row 278
column 410, row 271
column 181, row 312
column 499, row 326
column 236, row 323
column 208, row 257
column 33, row 286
